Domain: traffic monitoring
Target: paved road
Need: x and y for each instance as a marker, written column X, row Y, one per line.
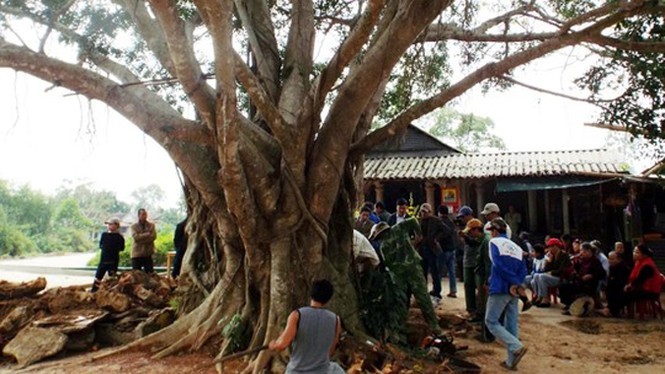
column 50, row 267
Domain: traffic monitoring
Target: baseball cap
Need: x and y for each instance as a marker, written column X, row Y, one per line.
column 499, row 224
column 426, row 207
column 473, row 223
column 114, row 221
column 378, row 229
column 554, row 242
column 490, row 208
column 464, row 211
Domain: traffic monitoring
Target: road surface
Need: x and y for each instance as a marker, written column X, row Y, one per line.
column 49, row 267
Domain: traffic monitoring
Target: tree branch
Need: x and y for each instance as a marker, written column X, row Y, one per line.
column 642, row 47
column 554, row 93
column 612, row 15
column 182, row 54
column 255, row 16
column 144, row 113
column 332, row 145
column 261, row 99
column 53, row 18
column 350, row 48
column 149, row 31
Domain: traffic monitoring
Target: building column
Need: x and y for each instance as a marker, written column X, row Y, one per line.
column 565, row 211
column 429, row 193
column 548, row 221
column 533, row 210
column 378, row 191
column 480, row 199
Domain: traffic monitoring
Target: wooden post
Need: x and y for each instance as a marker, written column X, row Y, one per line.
column 533, row 210
column 378, row 190
column 565, row 211
column 429, row 193
column 480, row 199
column 548, row 220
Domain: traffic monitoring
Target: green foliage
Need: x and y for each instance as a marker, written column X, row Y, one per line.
column 467, row 132
column 379, row 296
column 422, row 70
column 236, row 333
column 637, row 76
column 12, row 241
column 70, row 221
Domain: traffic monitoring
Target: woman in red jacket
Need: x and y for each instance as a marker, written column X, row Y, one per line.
column 644, row 281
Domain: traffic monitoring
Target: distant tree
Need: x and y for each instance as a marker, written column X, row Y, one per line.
column 96, row 206
column 467, row 132
column 149, row 197
column 28, row 210
column 12, row 241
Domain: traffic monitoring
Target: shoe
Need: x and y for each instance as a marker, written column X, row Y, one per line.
column 543, row 305
column 506, row 366
column 474, row 319
column 527, row 306
column 452, row 294
column 566, row 312
column 435, row 300
column 518, row 357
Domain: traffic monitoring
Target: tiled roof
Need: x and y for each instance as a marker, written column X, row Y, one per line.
column 502, row 164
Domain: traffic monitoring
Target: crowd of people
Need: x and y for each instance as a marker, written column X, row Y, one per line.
column 500, row 267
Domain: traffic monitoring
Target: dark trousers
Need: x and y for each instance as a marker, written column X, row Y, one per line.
column 470, row 290
column 110, row 267
column 431, row 266
column 144, row 263
column 177, row 263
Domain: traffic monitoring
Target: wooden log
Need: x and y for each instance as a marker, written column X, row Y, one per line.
column 10, row 290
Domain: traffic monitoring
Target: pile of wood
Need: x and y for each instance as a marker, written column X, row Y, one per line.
column 35, row 324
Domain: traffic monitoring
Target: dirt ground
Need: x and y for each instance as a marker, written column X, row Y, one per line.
column 556, row 344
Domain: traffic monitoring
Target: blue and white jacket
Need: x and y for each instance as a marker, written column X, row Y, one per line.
column 507, row 265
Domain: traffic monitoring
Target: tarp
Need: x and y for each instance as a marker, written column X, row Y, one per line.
column 547, row 183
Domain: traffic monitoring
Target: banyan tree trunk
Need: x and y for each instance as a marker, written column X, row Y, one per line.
column 225, row 283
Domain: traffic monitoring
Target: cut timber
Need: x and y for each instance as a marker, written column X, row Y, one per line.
column 9, row 290
column 18, row 317
column 112, row 300
column 72, row 322
column 33, row 344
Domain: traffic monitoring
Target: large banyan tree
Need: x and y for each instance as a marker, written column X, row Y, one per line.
column 268, row 106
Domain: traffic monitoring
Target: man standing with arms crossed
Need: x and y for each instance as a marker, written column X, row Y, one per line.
column 144, row 235
column 507, row 272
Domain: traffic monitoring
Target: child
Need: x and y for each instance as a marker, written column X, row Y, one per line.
column 111, row 243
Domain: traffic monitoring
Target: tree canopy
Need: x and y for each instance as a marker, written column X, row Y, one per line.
column 468, row 132
column 267, row 106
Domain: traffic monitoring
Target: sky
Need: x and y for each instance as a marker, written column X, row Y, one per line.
column 49, row 137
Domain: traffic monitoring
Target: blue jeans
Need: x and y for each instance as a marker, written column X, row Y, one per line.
column 543, row 281
column 447, row 259
column 508, row 333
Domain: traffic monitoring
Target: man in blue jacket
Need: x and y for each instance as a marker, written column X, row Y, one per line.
column 508, row 271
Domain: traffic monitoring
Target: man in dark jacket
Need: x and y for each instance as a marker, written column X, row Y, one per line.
column 400, row 212
column 111, row 243
column 449, row 242
column 180, row 244
column 429, row 247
